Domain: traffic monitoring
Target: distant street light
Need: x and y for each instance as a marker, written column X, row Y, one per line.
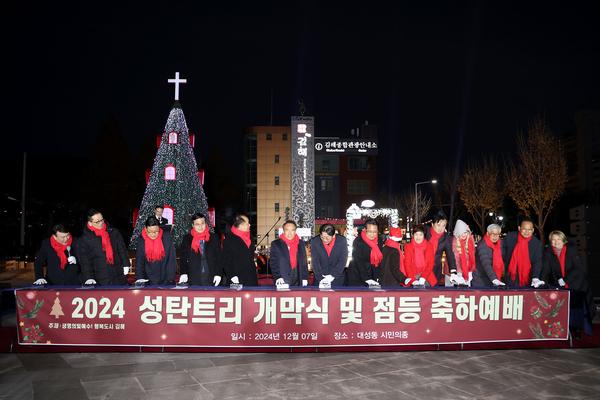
column 367, row 203
column 433, row 181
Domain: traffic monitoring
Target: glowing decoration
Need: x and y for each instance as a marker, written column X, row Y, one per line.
column 169, row 214
column 170, row 172
column 177, row 81
column 172, row 137
column 303, row 175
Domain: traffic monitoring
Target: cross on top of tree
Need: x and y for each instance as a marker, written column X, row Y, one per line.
column 177, row 81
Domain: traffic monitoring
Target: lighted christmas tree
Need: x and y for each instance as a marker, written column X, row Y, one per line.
column 174, row 181
column 56, row 308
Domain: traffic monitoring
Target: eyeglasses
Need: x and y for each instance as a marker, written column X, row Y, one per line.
column 97, row 222
column 494, row 234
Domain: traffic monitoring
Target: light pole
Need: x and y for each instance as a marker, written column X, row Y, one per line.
column 433, row 181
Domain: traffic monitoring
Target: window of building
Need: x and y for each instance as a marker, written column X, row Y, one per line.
column 170, row 173
column 326, row 185
column 269, row 136
column 276, row 207
column 276, row 181
column 358, row 186
column 284, row 136
column 358, row 163
column 276, row 158
column 326, row 165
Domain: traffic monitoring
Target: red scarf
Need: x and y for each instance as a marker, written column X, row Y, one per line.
column 155, row 250
column 197, row 237
column 396, row 245
column 562, row 256
column 466, row 255
column 60, row 249
column 106, row 245
column 419, row 251
column 376, row 256
column 245, row 236
column 497, row 261
column 519, row 261
column 329, row 246
column 293, row 247
column 434, row 239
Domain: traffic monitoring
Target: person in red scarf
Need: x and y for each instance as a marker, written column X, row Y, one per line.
column 393, row 260
column 329, row 256
column 522, row 253
column 238, row 253
column 418, row 260
column 366, row 257
column 441, row 241
column 288, row 257
column 102, row 253
column 490, row 265
column 463, row 251
column 567, row 271
column 57, row 256
column 155, row 255
column 200, row 255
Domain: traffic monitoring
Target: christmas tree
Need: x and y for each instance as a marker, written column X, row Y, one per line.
column 56, row 308
column 174, row 181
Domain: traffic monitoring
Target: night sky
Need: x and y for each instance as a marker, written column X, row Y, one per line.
column 425, row 75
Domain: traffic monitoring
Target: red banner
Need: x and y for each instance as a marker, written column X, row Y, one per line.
column 269, row 318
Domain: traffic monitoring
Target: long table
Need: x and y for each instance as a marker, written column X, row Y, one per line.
column 304, row 317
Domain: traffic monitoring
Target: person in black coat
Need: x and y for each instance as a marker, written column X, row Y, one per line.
column 442, row 243
column 490, row 264
column 392, row 264
column 162, row 222
column 366, row 257
column 567, row 271
column 57, row 254
column 238, row 253
column 102, row 252
column 288, row 257
column 329, row 256
column 155, row 255
column 200, row 255
column 522, row 253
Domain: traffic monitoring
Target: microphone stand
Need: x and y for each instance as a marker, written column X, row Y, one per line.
column 263, row 238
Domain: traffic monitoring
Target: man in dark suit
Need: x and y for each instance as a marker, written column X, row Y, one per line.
column 163, row 222
column 522, row 253
column 329, row 255
column 57, row 256
column 238, row 253
column 366, row 257
column 288, row 258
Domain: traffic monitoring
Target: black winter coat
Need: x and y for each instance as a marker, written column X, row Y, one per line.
column 281, row 266
column 535, row 256
column 191, row 262
column 93, row 259
column 334, row 265
column 47, row 257
column 159, row 272
column 444, row 245
column 238, row 260
column 360, row 269
column 484, row 274
column 392, row 276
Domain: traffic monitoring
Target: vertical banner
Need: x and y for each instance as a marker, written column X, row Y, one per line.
column 303, row 174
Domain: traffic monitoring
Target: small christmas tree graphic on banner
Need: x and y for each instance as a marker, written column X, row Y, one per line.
column 174, row 181
column 57, row 308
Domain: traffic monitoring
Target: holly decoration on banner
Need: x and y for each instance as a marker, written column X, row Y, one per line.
column 33, row 334
column 35, row 310
column 549, row 308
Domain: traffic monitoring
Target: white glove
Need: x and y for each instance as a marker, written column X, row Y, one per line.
column 371, row 282
column 324, row 284
column 40, row 281
column 328, row 278
column 407, row 281
column 125, row 270
column 536, row 283
column 280, row 282
column 498, row 282
column 422, row 281
column 470, row 277
column 304, row 282
column 141, row 281
column 72, row 260
column 90, row 282
column 216, row 280
column 457, row 279
column 561, row 282
column 235, row 280
column 183, row 278
column 417, row 282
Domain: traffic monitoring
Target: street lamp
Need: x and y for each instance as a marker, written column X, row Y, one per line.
column 433, row 181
